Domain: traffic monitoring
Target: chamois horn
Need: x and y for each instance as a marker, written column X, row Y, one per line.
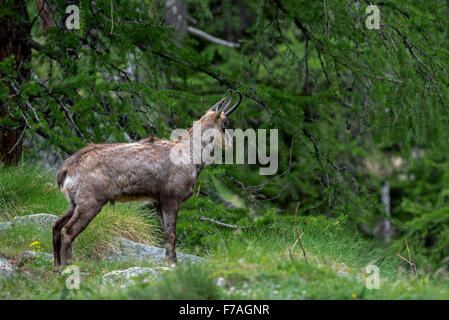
column 219, row 111
column 232, row 109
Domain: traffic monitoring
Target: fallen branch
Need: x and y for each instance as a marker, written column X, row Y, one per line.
column 203, row 218
column 299, row 236
column 409, row 260
column 297, row 240
column 211, row 38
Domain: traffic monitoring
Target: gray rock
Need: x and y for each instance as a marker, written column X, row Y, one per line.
column 43, row 220
column 345, row 274
column 29, row 255
column 128, row 276
column 130, row 250
column 6, row 268
column 5, row 225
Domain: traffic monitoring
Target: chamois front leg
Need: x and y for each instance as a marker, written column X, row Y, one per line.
column 160, row 216
column 170, row 215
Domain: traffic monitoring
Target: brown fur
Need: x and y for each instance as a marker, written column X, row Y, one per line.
column 102, row 173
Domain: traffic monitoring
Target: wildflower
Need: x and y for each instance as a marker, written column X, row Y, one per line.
column 36, row 246
column 353, row 296
column 34, row 243
column 221, row 282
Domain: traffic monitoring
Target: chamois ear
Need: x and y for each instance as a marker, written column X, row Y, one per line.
column 219, row 104
column 220, row 110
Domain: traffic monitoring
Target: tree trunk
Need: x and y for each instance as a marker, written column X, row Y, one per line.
column 176, row 15
column 14, row 33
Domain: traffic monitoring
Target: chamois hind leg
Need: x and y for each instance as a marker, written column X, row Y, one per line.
column 56, row 228
column 81, row 218
column 170, row 215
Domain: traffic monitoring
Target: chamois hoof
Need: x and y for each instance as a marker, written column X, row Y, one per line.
column 172, row 262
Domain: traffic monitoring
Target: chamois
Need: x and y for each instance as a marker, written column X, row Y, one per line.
column 144, row 170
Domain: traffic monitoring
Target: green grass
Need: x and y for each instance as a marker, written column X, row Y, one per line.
column 29, row 189
column 255, row 262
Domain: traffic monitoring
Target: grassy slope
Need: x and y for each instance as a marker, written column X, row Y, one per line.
column 255, row 262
